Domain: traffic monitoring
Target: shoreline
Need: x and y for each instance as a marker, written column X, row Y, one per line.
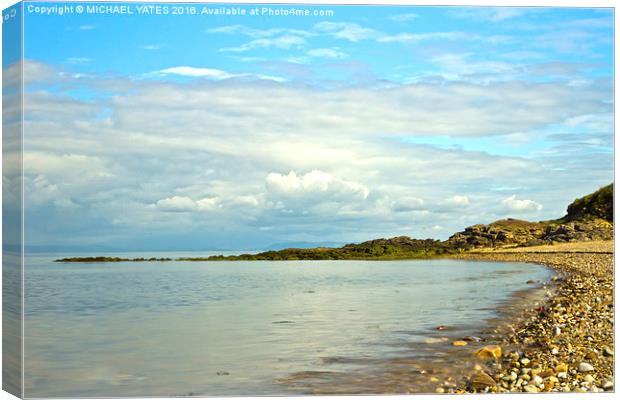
column 565, row 342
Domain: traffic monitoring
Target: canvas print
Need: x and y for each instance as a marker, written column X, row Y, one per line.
column 220, row 199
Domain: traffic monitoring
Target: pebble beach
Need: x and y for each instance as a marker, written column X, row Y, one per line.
column 562, row 342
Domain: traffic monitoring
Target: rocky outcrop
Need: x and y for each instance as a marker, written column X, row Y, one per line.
column 587, row 218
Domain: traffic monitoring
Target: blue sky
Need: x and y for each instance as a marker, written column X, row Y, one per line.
column 216, row 132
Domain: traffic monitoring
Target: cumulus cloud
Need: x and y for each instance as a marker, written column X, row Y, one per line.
column 513, row 204
column 459, row 201
column 408, row 204
column 166, row 155
column 186, row 204
column 315, row 184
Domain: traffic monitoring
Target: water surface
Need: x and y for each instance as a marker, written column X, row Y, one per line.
column 245, row 328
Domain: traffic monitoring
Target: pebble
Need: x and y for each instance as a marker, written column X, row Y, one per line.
column 459, row 343
column 565, row 342
column 585, row 367
column 440, row 390
column 537, row 380
column 489, row 352
column 482, row 380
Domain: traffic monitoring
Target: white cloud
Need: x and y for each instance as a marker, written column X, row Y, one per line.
column 210, row 73
column 284, row 42
column 457, row 200
column 258, row 33
column 417, row 37
column 86, row 27
column 152, row 47
column 408, row 204
column 227, row 145
column 347, row 31
column 513, row 204
column 404, row 17
column 326, row 53
column 314, row 184
column 186, row 204
column 491, row 14
column 197, row 72
column 78, row 60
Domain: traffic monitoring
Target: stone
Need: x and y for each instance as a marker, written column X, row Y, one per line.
column 489, row 352
column 607, row 352
column 608, row 385
column 482, row 380
column 537, row 380
column 562, row 375
column 459, row 343
column 440, row 390
column 525, row 362
column 585, row 367
column 588, row 378
column 530, row 388
column 561, row 368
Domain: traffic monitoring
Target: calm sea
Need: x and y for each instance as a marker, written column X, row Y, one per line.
column 243, row 328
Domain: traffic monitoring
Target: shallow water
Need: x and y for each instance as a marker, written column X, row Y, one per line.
column 245, row 328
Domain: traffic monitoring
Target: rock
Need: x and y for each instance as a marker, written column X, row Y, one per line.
column 555, row 351
column 530, row 388
column 561, row 368
column 432, row 340
column 588, row 378
column 525, row 361
column 537, row 380
column 482, row 380
column 489, row 352
column 459, row 343
column 562, row 375
column 440, row 390
column 556, row 331
column 472, row 339
column 607, row 352
column 608, row 385
column 441, row 328
column 585, row 367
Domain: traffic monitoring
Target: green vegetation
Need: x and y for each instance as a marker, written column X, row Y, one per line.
column 110, row 259
column 599, row 204
column 588, row 218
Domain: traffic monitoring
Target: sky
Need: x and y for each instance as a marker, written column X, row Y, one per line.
column 219, row 132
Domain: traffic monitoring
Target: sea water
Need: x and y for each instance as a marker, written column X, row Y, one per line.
column 242, row 328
